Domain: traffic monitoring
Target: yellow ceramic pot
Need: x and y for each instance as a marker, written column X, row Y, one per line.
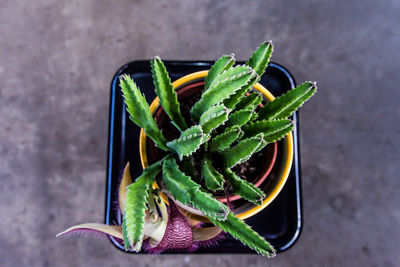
column 272, row 186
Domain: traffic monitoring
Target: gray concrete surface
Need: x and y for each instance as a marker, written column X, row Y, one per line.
column 56, row 62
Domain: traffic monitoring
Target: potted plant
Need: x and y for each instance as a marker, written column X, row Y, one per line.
column 208, row 140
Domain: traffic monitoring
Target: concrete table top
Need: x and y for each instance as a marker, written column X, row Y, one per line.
column 56, row 62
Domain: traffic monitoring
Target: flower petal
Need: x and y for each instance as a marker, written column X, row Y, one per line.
column 192, row 221
column 178, row 234
column 206, row 233
column 125, row 181
column 156, row 230
column 95, row 228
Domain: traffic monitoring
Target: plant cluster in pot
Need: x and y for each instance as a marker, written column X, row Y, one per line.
column 207, row 145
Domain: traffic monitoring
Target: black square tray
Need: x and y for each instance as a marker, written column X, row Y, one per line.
column 280, row 223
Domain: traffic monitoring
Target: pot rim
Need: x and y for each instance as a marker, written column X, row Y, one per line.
column 288, row 146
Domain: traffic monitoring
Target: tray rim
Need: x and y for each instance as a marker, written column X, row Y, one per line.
column 296, row 167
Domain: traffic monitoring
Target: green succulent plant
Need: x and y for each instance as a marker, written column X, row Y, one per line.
column 228, row 124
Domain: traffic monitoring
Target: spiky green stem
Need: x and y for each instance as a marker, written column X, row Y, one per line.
column 189, row 141
column 224, row 140
column 249, row 102
column 283, row 106
column 241, row 231
column 135, row 206
column 213, row 117
column 139, row 111
column 260, row 58
column 185, row 190
column 222, row 64
column 166, row 93
column 224, row 85
column 243, row 188
column 273, row 130
column 239, row 118
column 214, row 180
column 242, row 151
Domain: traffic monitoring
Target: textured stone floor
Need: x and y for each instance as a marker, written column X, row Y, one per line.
column 56, row 62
